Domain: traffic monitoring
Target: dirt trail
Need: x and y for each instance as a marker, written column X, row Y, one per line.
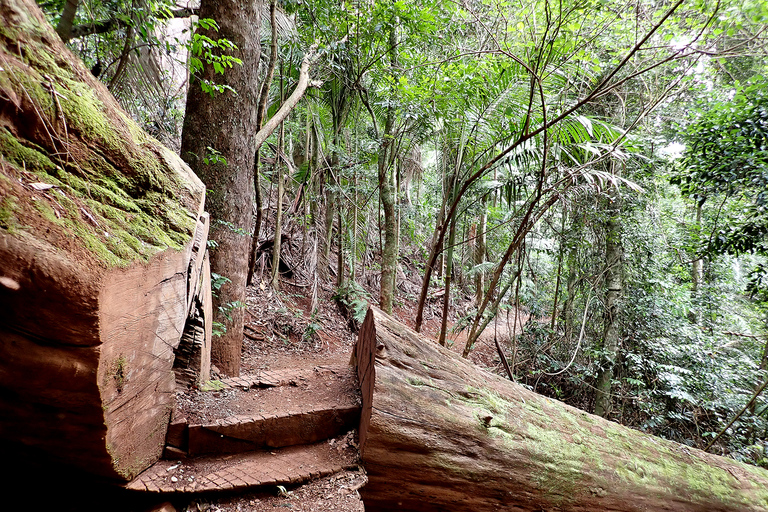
column 280, row 335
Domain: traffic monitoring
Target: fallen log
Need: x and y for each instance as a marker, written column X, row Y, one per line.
column 439, row 434
column 102, row 259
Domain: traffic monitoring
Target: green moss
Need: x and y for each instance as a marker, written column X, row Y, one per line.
column 118, row 371
column 20, row 22
column 31, row 158
column 8, row 219
column 110, row 170
column 212, row 385
column 415, row 381
column 564, row 453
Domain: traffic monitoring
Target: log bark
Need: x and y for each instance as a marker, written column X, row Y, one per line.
column 102, row 255
column 439, row 434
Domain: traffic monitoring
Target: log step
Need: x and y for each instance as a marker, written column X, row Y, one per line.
column 243, row 433
column 296, row 407
column 286, row 466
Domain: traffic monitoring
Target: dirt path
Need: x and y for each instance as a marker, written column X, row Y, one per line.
column 281, row 334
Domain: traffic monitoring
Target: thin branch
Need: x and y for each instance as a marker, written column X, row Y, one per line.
column 751, row 401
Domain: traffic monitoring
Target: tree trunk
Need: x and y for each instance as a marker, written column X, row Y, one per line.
column 64, row 27
column 227, row 123
column 448, row 277
column 386, row 193
column 389, row 255
column 277, row 245
column 570, row 292
column 437, row 433
column 614, row 259
column 479, row 252
column 340, row 254
column 260, row 114
column 697, row 268
column 697, row 274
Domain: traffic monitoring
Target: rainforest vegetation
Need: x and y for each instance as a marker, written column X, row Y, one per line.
column 594, row 170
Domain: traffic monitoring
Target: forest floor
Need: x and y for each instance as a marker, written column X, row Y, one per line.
column 281, row 334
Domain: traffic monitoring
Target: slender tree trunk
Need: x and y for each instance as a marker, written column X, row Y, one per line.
column 614, row 256
column 570, row 292
column 440, row 218
column 353, row 248
column 389, row 251
column 330, row 213
column 260, row 114
column 479, row 253
column 126, row 53
column 276, row 247
column 533, row 213
column 697, row 268
column 227, row 123
column 448, row 277
column 64, row 27
column 761, row 374
column 558, row 280
column 697, row 273
column 340, row 254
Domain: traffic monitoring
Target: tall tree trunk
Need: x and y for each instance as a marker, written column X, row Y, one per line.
column 697, row 268
column 697, row 273
column 276, row 246
column 614, row 257
column 559, row 278
column 389, row 251
column 330, row 213
column 227, row 123
column 448, row 277
column 340, row 254
column 570, row 292
column 353, row 248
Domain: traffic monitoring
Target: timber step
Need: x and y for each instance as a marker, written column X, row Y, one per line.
column 284, row 466
column 268, row 410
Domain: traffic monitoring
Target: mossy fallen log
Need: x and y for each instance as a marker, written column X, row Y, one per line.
column 102, row 242
column 439, row 434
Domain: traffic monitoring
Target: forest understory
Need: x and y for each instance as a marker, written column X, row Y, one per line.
column 571, row 195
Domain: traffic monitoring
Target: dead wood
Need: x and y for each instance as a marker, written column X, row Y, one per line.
column 99, row 273
column 438, row 434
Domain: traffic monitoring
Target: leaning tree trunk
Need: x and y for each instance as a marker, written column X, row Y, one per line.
column 438, row 434
column 226, row 123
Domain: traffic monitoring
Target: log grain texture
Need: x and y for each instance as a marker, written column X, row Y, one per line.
column 102, row 257
column 439, row 434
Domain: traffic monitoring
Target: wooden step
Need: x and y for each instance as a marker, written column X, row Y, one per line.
column 273, row 410
column 285, row 466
